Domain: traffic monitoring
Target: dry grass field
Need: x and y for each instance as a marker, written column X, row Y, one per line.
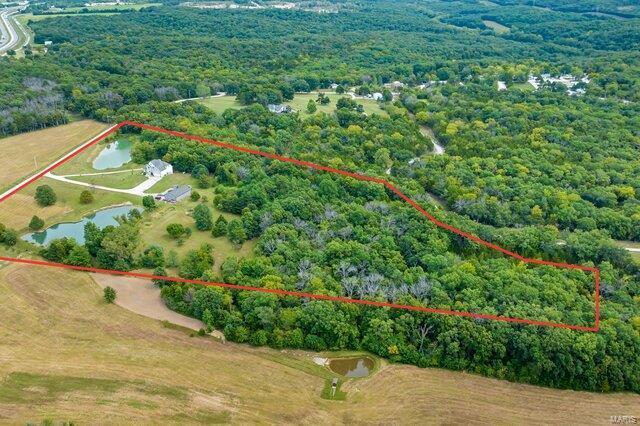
column 18, row 152
column 67, row 356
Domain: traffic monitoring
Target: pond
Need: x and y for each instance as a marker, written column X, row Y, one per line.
column 75, row 230
column 351, row 367
column 115, row 154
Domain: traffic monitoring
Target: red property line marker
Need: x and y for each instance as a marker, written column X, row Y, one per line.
column 315, row 166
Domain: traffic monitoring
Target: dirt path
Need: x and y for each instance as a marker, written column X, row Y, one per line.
column 142, row 297
column 437, row 148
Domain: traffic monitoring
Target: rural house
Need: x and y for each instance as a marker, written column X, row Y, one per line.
column 279, row 108
column 175, row 194
column 158, row 168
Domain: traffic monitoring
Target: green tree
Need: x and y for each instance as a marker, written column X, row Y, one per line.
column 109, row 294
column 202, row 217
column 202, row 90
column 236, row 232
column 86, row 197
column 148, row 202
column 45, row 196
column 79, row 256
column 175, row 230
column 311, row 106
column 220, row 227
column 152, row 257
column 195, row 196
column 36, row 223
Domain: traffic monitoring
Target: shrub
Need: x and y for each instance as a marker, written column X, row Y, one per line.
column 148, row 202
column 109, row 294
column 175, row 230
column 45, row 196
column 36, row 223
column 86, row 197
column 195, row 196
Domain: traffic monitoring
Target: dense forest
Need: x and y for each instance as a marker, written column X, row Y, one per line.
column 540, row 172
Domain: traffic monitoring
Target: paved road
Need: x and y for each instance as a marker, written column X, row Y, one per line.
column 11, row 31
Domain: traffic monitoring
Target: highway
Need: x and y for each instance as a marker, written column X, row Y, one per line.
column 13, row 36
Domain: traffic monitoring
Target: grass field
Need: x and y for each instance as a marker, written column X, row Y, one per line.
column 124, row 180
column 16, row 211
column 495, row 26
column 20, row 153
column 523, row 86
column 25, row 18
column 155, row 228
column 299, row 103
column 221, row 103
column 66, row 356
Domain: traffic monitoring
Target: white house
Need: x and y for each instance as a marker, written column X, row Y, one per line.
column 279, row 108
column 158, row 168
column 377, row 96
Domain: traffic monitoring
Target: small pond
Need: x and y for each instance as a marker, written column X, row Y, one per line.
column 75, row 230
column 351, row 367
column 114, row 155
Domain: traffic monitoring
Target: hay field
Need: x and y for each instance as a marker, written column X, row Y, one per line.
column 45, row 146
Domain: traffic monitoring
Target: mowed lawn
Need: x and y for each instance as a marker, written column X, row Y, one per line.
column 123, row 180
column 154, row 229
column 26, row 153
column 221, row 103
column 299, row 103
column 17, row 210
column 68, row 356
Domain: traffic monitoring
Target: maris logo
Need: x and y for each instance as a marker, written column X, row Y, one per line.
column 628, row 420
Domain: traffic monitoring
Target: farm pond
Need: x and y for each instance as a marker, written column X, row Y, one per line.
column 114, row 155
column 351, row 367
column 75, row 230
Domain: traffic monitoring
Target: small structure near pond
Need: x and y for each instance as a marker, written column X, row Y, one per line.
column 158, row 168
column 175, row 194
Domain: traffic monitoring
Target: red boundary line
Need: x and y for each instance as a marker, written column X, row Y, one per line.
column 315, row 166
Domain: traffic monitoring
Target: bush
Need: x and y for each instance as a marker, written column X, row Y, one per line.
column 36, row 223
column 45, row 196
column 148, row 202
column 86, row 197
column 109, row 294
column 175, row 230
column 195, row 196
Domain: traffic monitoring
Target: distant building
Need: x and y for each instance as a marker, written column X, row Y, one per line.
column 396, row 85
column 175, row 194
column 377, row 96
column 334, row 86
column 279, row 108
column 502, row 86
column 158, row 168
column 48, row 42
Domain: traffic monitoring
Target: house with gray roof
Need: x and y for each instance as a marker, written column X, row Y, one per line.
column 158, row 168
column 175, row 194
